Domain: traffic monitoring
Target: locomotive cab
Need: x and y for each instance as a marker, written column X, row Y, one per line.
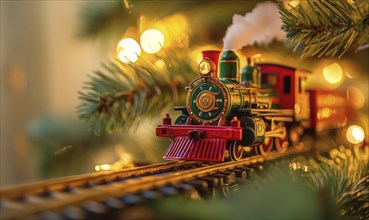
column 287, row 84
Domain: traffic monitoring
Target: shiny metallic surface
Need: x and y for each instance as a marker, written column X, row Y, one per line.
column 229, row 66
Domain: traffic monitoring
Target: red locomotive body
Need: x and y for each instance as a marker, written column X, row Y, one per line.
column 198, row 142
column 230, row 116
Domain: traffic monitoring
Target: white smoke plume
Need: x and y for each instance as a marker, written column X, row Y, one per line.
column 261, row 26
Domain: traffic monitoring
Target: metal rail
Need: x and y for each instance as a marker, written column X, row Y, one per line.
column 31, row 200
column 64, row 183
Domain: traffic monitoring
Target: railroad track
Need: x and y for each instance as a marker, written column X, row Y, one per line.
column 98, row 195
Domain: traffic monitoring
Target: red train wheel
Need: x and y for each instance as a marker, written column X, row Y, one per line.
column 281, row 144
column 266, row 147
column 235, row 151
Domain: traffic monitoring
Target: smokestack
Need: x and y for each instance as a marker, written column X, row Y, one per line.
column 213, row 55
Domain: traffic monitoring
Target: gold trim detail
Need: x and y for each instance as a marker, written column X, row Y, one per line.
column 206, row 66
column 198, row 81
column 205, row 101
column 228, row 78
column 229, row 61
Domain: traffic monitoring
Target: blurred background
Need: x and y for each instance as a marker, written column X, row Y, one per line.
column 43, row 65
column 48, row 49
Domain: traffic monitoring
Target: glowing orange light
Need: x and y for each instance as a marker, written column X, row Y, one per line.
column 324, row 113
column 125, row 161
column 355, row 134
column 102, row 167
column 332, row 73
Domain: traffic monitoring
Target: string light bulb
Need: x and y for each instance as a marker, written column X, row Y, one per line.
column 333, row 73
column 152, row 41
column 128, row 50
column 355, row 134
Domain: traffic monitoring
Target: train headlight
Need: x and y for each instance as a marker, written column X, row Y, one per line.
column 206, row 67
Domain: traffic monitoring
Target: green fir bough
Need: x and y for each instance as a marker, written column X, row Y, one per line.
column 327, row 27
column 118, row 96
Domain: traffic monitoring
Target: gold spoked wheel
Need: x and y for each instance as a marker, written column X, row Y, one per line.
column 235, row 151
column 281, row 144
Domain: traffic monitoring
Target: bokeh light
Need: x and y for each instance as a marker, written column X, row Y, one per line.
column 128, row 50
column 332, row 73
column 102, row 167
column 355, row 134
column 152, row 41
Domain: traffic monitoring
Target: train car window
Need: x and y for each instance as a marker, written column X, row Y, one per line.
column 269, row 79
column 287, row 84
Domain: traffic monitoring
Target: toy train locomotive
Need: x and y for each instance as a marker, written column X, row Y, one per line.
column 229, row 114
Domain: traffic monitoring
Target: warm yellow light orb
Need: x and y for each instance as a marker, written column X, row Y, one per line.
column 102, row 167
column 355, row 134
column 332, row 73
column 128, row 50
column 152, row 40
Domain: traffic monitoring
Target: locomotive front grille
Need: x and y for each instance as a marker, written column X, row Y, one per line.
column 184, row 148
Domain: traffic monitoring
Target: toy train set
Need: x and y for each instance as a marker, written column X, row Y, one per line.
column 230, row 114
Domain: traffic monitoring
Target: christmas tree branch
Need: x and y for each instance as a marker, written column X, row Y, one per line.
column 334, row 186
column 344, row 176
column 326, row 28
column 121, row 94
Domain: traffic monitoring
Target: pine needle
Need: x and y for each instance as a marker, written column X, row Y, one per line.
column 326, row 28
column 119, row 95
